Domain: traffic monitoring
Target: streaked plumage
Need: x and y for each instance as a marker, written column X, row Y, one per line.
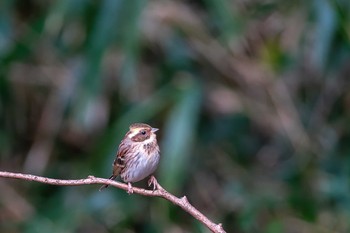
column 138, row 155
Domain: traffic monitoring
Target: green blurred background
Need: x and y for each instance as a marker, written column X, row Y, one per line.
column 251, row 97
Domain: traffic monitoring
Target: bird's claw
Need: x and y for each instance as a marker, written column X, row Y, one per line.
column 153, row 181
column 130, row 190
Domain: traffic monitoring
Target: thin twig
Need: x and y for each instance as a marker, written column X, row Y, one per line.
column 158, row 192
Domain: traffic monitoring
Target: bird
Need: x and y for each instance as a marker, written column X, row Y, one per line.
column 137, row 157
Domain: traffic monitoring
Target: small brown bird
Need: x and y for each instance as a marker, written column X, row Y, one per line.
column 138, row 155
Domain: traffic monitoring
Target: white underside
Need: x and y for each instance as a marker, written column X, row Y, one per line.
column 142, row 167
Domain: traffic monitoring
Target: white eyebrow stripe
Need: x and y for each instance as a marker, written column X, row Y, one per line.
column 133, row 133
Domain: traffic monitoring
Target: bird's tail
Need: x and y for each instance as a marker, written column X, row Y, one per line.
column 112, row 177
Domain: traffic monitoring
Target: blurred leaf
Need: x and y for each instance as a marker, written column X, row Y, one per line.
column 179, row 133
column 130, row 42
column 325, row 31
column 223, row 14
column 274, row 227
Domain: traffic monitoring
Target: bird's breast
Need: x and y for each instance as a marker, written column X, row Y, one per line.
column 143, row 164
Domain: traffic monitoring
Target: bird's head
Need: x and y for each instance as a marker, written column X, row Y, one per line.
column 140, row 132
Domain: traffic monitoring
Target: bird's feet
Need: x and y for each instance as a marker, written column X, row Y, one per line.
column 153, row 181
column 130, row 190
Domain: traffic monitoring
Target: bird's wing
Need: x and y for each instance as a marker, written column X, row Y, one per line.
column 119, row 162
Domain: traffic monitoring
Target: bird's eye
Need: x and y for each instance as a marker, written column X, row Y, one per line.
column 143, row 132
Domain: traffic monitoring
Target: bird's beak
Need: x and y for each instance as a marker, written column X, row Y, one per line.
column 154, row 130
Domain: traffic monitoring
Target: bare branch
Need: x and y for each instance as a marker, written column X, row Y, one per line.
column 158, row 192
